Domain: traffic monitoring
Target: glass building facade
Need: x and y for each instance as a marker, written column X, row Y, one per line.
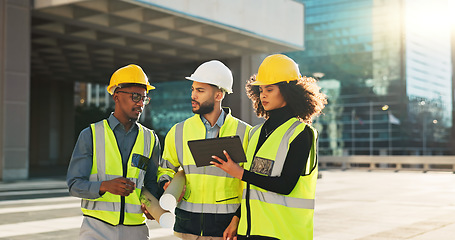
column 387, row 72
column 169, row 105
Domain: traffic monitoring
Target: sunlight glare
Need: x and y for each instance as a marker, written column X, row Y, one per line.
column 431, row 17
column 451, row 13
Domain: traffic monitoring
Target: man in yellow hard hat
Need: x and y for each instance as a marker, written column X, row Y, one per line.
column 110, row 163
column 212, row 196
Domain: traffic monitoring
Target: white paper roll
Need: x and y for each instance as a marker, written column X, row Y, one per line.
column 168, row 200
column 165, row 218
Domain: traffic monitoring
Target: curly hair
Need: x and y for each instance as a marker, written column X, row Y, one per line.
column 302, row 96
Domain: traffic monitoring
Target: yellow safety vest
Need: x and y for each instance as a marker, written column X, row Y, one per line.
column 107, row 165
column 208, row 189
column 272, row 214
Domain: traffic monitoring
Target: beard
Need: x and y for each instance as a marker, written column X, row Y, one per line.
column 205, row 107
column 133, row 117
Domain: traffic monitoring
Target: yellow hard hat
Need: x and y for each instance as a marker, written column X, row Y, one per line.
column 277, row 68
column 128, row 74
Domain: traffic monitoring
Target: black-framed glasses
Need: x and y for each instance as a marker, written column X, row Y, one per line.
column 136, row 97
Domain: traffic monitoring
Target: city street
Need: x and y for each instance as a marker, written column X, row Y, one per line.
column 379, row 205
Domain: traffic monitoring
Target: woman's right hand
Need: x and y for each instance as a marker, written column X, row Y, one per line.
column 229, row 166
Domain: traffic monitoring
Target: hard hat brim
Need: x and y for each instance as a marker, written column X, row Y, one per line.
column 228, row 91
column 150, row 87
column 258, row 83
column 111, row 89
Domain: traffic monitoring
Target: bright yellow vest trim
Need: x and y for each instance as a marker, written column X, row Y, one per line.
column 276, row 215
column 107, row 207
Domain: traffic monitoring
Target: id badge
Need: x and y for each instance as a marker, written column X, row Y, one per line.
column 262, row 166
column 140, row 161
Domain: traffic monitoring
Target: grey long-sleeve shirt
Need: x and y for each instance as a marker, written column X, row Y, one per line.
column 81, row 161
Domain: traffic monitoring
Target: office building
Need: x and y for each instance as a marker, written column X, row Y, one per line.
column 386, row 66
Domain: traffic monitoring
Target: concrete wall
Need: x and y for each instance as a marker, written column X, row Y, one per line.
column 278, row 20
column 15, row 88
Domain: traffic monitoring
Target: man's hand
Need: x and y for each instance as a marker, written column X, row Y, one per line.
column 166, row 185
column 147, row 214
column 119, row 186
column 231, row 231
column 181, row 195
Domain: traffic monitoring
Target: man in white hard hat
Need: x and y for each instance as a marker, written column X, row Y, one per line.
column 103, row 170
column 212, row 196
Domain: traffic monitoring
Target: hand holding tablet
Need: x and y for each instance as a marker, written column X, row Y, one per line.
column 203, row 150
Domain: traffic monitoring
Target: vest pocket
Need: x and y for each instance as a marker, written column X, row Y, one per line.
column 227, row 199
column 222, row 197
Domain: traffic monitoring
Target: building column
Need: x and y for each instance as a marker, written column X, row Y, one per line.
column 14, row 88
column 242, row 68
column 249, row 66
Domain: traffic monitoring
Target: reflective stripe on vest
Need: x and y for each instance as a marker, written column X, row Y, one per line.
column 108, row 206
column 253, row 130
column 179, row 142
column 100, row 152
column 241, row 130
column 107, row 165
column 208, row 208
column 283, row 150
column 280, row 199
column 209, row 189
column 206, row 171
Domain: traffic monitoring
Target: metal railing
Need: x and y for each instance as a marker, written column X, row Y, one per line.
column 397, row 163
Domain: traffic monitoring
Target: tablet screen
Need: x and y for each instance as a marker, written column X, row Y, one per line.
column 203, row 150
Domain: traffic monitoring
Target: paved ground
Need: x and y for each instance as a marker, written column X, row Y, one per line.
column 350, row 205
column 385, row 205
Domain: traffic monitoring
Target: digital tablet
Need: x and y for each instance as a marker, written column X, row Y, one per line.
column 203, row 150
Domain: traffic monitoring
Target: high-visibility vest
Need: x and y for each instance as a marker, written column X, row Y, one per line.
column 272, row 214
column 208, row 189
column 107, row 165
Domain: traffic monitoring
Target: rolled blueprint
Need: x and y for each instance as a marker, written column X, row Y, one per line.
column 165, row 218
column 168, row 200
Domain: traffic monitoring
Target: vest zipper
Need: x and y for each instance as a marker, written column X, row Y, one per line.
column 202, row 224
column 202, row 212
column 122, row 199
column 122, row 210
column 248, row 211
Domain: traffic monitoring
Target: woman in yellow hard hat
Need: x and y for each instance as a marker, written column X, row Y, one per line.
column 281, row 170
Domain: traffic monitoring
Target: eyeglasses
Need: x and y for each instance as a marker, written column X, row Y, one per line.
column 136, row 97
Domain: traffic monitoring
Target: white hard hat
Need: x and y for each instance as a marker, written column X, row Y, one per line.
column 214, row 72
